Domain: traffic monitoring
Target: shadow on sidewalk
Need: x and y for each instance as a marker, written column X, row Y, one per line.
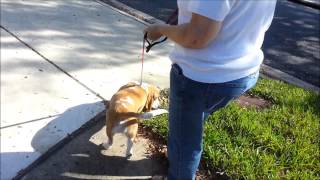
column 60, row 127
column 83, row 157
column 28, row 142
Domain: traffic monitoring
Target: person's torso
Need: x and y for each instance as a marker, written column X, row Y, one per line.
column 237, row 45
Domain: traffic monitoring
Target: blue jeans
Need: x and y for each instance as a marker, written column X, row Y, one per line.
column 191, row 102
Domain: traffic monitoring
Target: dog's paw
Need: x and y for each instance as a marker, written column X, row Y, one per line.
column 129, row 155
column 106, row 145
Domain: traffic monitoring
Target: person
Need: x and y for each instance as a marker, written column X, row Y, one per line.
column 216, row 58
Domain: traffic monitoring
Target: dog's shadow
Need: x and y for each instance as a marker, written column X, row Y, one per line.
column 91, row 158
column 64, row 124
column 85, row 158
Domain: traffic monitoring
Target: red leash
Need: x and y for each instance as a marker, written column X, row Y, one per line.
column 142, row 56
column 173, row 20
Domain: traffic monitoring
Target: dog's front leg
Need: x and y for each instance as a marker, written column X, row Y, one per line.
column 107, row 144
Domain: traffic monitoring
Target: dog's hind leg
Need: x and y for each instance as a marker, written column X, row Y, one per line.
column 129, row 147
column 131, row 134
column 109, row 142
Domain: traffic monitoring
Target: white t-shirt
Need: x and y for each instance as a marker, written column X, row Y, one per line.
column 236, row 50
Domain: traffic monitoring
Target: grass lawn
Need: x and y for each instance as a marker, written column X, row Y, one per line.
column 278, row 142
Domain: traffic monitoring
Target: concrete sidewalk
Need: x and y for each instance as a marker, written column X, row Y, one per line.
column 59, row 60
column 85, row 158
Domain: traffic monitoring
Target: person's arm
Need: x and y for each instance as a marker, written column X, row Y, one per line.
column 196, row 34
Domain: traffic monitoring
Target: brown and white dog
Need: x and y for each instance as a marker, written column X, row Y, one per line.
column 126, row 108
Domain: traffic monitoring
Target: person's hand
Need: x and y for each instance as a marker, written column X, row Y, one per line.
column 153, row 32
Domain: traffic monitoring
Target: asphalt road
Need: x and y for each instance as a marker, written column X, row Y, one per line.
column 291, row 45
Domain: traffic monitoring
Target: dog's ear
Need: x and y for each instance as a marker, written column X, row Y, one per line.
column 153, row 94
column 150, row 99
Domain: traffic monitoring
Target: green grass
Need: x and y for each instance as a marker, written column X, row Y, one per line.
column 280, row 142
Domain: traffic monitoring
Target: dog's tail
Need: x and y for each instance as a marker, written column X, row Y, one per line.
column 134, row 118
column 151, row 114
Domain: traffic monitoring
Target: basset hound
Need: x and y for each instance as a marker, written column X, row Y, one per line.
column 131, row 103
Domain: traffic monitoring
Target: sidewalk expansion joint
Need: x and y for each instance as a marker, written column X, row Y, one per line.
column 52, row 63
column 30, row 121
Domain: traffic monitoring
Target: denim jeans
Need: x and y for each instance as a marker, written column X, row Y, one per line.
column 190, row 104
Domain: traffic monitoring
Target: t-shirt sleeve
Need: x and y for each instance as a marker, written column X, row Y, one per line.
column 213, row 9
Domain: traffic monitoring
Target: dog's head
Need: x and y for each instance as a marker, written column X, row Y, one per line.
column 153, row 94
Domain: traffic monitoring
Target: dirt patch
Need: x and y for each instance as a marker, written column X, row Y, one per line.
column 158, row 146
column 248, row 101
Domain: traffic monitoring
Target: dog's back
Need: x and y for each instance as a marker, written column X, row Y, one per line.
column 130, row 99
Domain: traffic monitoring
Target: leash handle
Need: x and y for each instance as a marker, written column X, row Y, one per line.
column 150, row 45
column 172, row 20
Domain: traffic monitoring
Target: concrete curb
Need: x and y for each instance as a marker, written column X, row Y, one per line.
column 128, row 11
column 277, row 74
column 266, row 70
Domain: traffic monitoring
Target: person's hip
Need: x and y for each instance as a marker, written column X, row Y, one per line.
column 231, row 88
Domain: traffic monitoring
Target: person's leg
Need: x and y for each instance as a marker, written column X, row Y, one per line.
column 190, row 103
column 218, row 95
column 185, row 125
